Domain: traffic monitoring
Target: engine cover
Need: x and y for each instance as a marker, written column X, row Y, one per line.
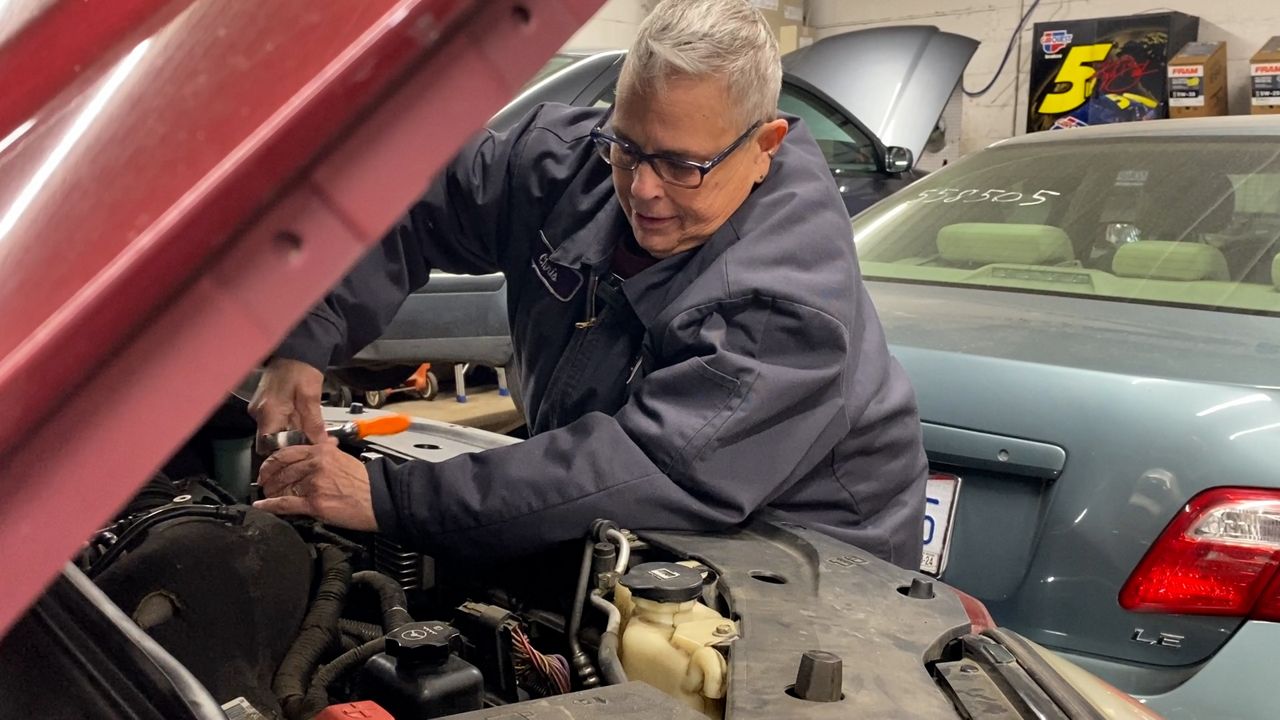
column 226, row 599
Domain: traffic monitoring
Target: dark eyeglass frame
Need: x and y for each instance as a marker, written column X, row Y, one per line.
column 605, row 142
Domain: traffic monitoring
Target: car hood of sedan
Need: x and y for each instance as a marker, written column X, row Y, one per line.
column 895, row 80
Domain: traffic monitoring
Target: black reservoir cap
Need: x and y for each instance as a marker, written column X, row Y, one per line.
column 423, row 643
column 663, row 582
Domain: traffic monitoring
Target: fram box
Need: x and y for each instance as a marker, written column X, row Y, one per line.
column 1264, row 78
column 1198, row 80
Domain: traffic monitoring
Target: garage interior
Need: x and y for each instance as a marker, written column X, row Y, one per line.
column 992, row 104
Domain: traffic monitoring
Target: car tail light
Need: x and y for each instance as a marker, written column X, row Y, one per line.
column 1268, row 606
column 979, row 617
column 1218, row 557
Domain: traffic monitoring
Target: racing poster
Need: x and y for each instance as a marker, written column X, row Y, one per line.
column 1106, row 70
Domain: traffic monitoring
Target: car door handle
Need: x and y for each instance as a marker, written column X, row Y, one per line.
column 999, row 453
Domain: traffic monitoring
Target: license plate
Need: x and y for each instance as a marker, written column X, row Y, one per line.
column 939, row 511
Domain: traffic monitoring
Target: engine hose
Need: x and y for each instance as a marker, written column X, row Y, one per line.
column 391, row 599
column 318, row 695
column 624, row 549
column 319, row 632
column 582, row 667
column 607, row 657
column 349, row 642
column 320, row 535
column 366, row 632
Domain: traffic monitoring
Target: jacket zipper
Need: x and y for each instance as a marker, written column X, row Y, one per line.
column 591, row 319
column 568, row 370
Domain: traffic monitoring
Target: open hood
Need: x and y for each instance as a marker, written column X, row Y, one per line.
column 895, row 80
column 179, row 181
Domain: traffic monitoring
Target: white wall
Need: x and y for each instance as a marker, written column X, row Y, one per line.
column 1244, row 24
column 613, row 27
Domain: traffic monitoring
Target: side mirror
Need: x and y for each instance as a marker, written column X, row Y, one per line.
column 898, row 159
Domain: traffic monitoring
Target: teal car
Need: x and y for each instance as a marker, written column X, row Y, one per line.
column 1091, row 319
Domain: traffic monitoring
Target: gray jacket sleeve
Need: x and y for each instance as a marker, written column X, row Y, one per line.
column 456, row 226
column 700, row 445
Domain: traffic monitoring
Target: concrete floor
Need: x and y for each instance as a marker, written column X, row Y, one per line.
column 484, row 409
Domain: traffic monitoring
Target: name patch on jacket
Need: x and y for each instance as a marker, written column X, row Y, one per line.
column 562, row 280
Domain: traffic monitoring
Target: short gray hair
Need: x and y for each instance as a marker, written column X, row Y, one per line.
column 727, row 39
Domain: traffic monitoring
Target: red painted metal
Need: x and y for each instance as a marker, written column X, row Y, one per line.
column 60, row 42
column 168, row 215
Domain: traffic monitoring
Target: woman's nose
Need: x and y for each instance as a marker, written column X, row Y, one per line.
column 645, row 183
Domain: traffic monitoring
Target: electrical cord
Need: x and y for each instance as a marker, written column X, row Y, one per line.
column 317, row 697
column 319, row 632
column 1013, row 39
column 543, row 675
column 391, row 599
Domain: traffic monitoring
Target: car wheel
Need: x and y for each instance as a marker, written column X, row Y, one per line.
column 433, row 387
column 343, row 397
column 375, row 398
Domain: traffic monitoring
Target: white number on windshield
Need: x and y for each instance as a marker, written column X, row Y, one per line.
column 993, row 195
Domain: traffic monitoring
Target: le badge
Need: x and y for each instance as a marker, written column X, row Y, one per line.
column 562, row 280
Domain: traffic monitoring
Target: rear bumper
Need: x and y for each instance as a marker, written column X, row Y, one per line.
column 1237, row 683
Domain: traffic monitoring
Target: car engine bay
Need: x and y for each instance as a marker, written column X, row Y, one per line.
column 191, row 595
column 284, row 619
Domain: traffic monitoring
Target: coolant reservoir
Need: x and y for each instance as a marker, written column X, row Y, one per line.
column 667, row 635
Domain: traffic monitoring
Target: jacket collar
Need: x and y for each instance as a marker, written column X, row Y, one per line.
column 586, row 222
column 577, row 243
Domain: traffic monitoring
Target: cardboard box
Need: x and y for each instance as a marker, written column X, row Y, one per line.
column 1264, row 78
column 785, row 17
column 793, row 12
column 794, row 37
column 1198, row 80
column 807, row 36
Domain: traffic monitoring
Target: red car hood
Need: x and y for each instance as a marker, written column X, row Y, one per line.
column 179, row 181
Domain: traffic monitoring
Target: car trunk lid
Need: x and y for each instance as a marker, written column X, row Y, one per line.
column 1072, row 460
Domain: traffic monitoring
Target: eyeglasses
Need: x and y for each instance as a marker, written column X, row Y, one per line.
column 672, row 170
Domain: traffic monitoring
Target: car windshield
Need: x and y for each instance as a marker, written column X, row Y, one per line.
column 1176, row 221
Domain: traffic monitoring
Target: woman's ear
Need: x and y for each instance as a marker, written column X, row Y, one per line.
column 769, row 141
column 771, row 135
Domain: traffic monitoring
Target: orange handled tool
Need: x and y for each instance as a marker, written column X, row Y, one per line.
column 350, row 430
column 382, row 425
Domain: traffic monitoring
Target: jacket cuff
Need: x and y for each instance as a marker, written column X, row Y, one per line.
column 384, row 508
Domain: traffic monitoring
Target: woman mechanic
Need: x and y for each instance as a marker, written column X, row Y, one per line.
column 692, row 334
